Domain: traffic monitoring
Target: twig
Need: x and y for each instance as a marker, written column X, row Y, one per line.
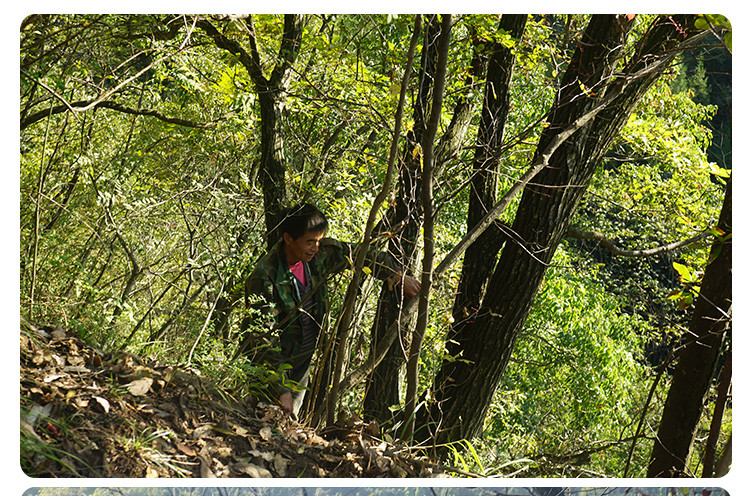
column 205, row 325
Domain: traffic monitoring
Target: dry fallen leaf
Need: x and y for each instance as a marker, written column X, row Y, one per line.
column 104, row 403
column 140, row 387
column 201, row 431
column 266, row 433
column 279, row 464
column 54, row 377
column 185, row 449
column 206, row 471
column 253, row 470
column 58, row 333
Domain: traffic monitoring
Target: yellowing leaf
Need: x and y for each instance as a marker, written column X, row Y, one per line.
column 586, row 90
column 417, row 151
column 685, row 275
column 685, row 302
column 395, row 89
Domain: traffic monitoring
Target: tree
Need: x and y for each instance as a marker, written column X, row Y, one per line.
column 697, row 361
column 464, row 388
column 271, row 92
column 402, row 223
column 415, row 348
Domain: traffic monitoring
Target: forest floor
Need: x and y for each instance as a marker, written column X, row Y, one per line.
column 87, row 415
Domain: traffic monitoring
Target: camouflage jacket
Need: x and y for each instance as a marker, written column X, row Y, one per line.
column 270, row 289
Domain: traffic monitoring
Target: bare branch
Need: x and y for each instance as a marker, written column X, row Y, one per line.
column 74, row 106
column 574, row 232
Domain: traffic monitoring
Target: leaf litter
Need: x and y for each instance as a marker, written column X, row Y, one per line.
column 84, row 414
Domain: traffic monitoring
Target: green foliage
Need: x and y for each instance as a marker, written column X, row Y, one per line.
column 136, row 228
column 577, row 378
column 719, row 24
column 656, row 186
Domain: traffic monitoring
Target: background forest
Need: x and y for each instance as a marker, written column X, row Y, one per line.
column 561, row 184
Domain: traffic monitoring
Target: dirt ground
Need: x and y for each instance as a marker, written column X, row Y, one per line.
column 87, row 415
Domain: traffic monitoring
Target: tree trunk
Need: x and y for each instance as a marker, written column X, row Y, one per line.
column 271, row 93
column 404, row 222
column 697, row 362
column 464, row 388
column 272, row 167
column 481, row 256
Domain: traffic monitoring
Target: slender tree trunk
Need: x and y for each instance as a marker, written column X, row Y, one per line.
column 697, row 363
column 404, row 221
column 465, row 388
column 428, row 146
column 384, row 382
column 342, row 327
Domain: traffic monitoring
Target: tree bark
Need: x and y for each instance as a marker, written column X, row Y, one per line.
column 403, row 221
column 481, row 256
column 464, row 388
column 696, row 366
column 271, row 92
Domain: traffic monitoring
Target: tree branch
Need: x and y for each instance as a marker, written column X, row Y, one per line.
column 251, row 61
column 575, row 233
column 33, row 118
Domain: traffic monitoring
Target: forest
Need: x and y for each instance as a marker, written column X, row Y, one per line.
column 560, row 186
column 374, row 491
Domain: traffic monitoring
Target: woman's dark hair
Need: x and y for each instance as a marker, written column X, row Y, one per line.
column 302, row 218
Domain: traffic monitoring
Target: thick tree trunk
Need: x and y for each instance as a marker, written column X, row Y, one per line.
column 481, row 256
column 696, row 365
column 465, row 388
column 272, row 167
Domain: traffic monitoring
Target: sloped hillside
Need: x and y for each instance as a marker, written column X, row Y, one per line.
column 84, row 414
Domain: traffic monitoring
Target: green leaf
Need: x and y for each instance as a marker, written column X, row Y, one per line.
column 685, row 302
column 685, row 274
